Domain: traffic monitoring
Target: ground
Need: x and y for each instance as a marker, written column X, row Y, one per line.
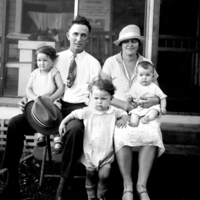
column 173, row 177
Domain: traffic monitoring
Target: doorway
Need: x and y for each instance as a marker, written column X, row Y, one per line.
column 179, row 55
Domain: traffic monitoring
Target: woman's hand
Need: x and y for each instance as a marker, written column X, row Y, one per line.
column 129, row 106
column 148, row 102
column 22, row 103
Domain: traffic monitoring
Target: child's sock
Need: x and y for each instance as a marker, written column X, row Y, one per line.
column 101, row 193
column 91, row 191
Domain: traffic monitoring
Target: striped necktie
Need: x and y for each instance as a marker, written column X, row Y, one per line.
column 72, row 72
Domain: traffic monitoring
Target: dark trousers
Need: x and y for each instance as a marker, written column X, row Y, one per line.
column 19, row 127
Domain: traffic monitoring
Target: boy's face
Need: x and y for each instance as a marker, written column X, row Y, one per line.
column 78, row 37
column 100, row 99
column 144, row 76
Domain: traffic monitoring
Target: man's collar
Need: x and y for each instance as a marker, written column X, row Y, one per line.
column 78, row 55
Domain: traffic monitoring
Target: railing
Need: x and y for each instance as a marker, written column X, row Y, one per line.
column 101, row 45
column 179, row 43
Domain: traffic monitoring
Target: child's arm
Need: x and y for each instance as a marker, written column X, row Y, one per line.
column 60, row 88
column 62, row 129
column 122, row 122
column 29, row 90
column 163, row 105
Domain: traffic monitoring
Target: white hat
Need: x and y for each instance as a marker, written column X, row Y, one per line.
column 129, row 32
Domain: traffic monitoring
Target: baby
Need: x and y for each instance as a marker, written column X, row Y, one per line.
column 144, row 87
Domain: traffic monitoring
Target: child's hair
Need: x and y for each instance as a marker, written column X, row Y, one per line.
column 146, row 65
column 103, row 85
column 80, row 20
column 48, row 50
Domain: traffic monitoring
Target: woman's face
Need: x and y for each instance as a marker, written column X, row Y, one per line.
column 130, row 47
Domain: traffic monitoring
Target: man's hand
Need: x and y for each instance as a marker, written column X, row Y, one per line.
column 22, row 103
column 148, row 102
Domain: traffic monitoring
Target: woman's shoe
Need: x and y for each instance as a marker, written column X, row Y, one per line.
column 126, row 192
column 41, row 142
column 142, row 192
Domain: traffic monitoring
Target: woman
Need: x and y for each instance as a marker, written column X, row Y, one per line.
column 121, row 69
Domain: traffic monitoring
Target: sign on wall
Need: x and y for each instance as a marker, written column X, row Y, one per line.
column 98, row 13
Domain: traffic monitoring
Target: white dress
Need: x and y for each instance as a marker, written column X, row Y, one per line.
column 145, row 134
column 98, row 144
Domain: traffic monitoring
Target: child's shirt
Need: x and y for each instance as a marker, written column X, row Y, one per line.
column 98, row 135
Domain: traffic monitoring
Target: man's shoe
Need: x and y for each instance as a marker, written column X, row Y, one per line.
column 9, row 192
column 61, row 189
column 9, row 185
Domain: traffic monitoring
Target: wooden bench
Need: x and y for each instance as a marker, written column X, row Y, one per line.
column 5, row 114
column 181, row 133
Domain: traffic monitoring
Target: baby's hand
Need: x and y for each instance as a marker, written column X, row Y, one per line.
column 62, row 129
column 122, row 122
column 163, row 111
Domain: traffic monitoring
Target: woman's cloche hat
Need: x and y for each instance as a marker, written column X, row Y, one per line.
column 43, row 115
column 129, row 32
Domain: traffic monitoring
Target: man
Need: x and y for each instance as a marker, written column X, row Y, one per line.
column 76, row 95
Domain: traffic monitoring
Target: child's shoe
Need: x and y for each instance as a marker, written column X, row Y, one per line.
column 58, row 147
column 41, row 142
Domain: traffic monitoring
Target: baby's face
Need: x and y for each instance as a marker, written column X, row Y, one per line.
column 144, row 76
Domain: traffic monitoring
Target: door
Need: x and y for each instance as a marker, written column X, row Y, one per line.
column 179, row 55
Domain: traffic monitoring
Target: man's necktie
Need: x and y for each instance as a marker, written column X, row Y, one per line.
column 72, row 72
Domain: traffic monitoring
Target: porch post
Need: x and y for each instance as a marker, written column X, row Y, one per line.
column 3, row 45
column 152, row 19
column 76, row 7
column 149, row 9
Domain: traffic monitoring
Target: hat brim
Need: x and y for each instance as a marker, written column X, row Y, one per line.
column 47, row 130
column 117, row 42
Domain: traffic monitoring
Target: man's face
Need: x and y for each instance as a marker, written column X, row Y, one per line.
column 78, row 36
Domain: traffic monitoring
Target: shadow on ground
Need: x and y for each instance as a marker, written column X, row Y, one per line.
column 173, row 177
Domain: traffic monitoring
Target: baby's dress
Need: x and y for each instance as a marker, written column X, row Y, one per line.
column 98, row 144
column 138, row 91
